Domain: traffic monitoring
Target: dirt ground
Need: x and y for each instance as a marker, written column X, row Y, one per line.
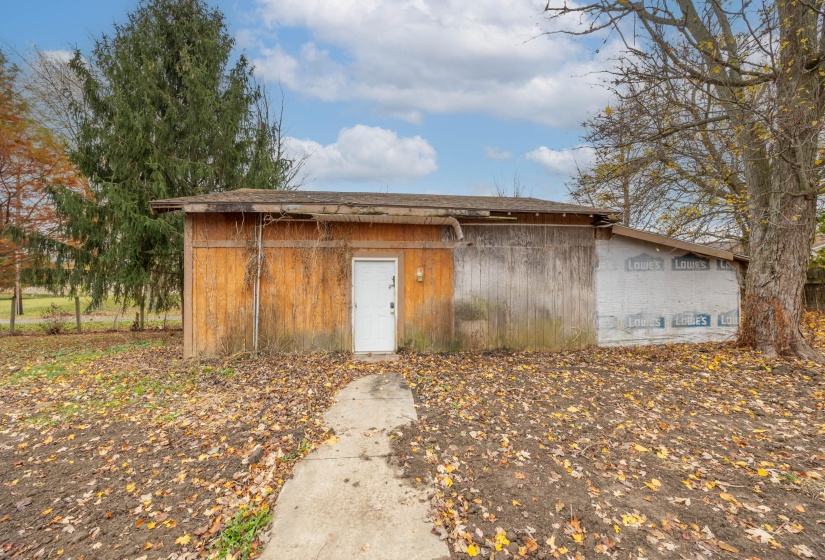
column 669, row 452
column 113, row 447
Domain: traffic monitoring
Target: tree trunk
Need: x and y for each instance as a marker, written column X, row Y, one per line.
column 783, row 201
column 18, row 288
column 773, row 303
column 18, row 292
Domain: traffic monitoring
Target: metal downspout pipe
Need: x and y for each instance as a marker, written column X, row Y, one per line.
column 256, row 293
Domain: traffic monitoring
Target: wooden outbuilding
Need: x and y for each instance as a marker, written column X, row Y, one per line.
column 376, row 272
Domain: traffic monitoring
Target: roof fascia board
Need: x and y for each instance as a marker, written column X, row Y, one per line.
column 677, row 243
column 336, row 209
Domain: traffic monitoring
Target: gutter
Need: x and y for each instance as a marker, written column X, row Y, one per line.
column 393, row 219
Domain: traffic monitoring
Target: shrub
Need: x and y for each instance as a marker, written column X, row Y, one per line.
column 54, row 320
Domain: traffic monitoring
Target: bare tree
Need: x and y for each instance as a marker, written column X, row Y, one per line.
column 54, row 92
column 270, row 119
column 516, row 190
column 688, row 184
column 763, row 66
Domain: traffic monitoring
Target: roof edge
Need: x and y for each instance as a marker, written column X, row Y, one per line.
column 162, row 206
column 455, row 207
column 633, row 233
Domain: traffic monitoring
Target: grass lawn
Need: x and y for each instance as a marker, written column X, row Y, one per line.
column 35, row 305
column 112, row 446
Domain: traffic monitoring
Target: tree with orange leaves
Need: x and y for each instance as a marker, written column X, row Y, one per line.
column 31, row 159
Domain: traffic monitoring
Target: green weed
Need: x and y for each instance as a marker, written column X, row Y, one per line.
column 302, row 448
column 167, row 417
column 789, row 477
column 240, row 533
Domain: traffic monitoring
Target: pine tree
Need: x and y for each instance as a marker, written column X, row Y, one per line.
column 165, row 113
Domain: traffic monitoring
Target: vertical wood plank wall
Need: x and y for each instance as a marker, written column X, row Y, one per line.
column 306, row 283
column 525, row 283
column 221, row 294
column 525, row 286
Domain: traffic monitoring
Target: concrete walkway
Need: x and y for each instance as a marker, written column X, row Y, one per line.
column 345, row 501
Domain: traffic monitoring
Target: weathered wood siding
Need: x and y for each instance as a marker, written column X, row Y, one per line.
column 221, row 296
column 306, row 283
column 815, row 289
column 525, row 286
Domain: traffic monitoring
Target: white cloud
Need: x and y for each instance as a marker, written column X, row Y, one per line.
column 58, row 55
column 366, row 153
column 433, row 56
column 312, row 71
column 497, row 153
column 561, row 163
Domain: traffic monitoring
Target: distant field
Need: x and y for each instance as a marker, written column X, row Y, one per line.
column 35, row 305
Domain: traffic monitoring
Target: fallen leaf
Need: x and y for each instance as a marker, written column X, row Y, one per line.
column 761, row 534
column 532, row 545
column 803, row 551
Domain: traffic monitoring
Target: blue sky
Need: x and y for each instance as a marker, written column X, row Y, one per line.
column 439, row 96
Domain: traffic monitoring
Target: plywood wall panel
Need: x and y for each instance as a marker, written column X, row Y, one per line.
column 532, row 286
column 428, row 318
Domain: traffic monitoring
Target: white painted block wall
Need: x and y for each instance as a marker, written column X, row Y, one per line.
column 653, row 294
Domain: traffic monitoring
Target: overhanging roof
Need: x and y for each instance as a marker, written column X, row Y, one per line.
column 326, row 202
column 678, row 244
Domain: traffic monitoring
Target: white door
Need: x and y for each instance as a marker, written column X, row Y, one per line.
column 373, row 305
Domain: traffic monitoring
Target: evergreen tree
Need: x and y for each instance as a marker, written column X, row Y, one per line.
column 164, row 113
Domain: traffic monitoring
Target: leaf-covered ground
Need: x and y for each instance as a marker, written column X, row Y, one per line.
column 678, row 451
column 111, row 446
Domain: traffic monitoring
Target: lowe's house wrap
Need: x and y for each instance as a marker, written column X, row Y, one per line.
column 649, row 293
